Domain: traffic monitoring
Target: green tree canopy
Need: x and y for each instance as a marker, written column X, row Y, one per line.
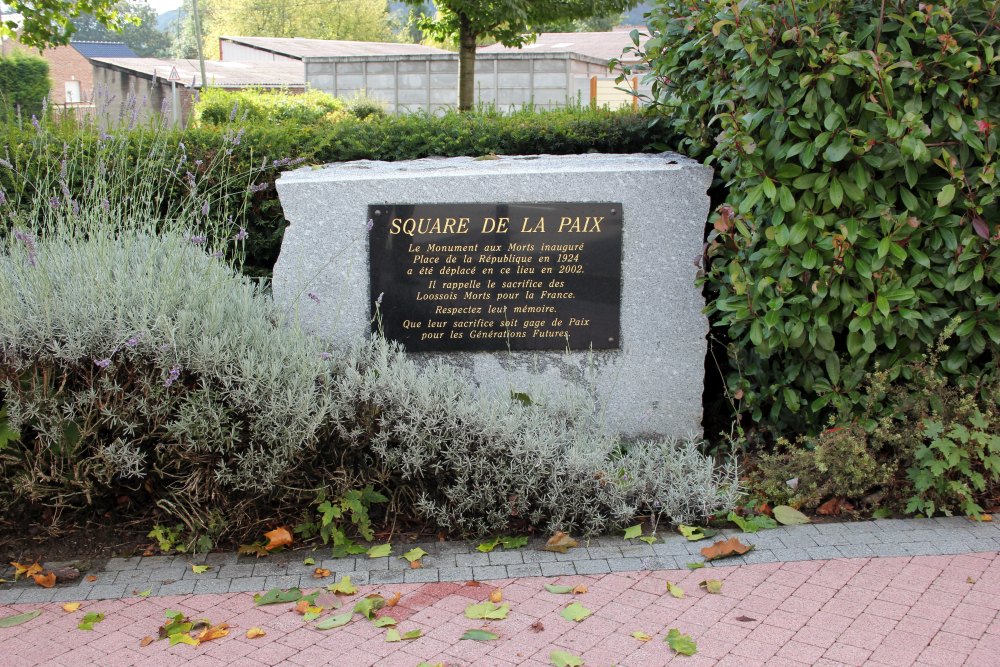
column 142, row 36
column 50, row 22
column 510, row 22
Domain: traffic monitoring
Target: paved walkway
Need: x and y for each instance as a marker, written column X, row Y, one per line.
column 884, row 592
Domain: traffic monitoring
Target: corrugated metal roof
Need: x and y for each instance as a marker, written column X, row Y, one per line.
column 224, row 74
column 103, row 50
column 602, row 45
column 298, row 47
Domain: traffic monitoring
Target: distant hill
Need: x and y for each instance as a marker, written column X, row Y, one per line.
column 167, row 19
column 634, row 16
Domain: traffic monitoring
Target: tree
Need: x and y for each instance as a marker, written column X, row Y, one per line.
column 142, row 37
column 510, row 22
column 50, row 22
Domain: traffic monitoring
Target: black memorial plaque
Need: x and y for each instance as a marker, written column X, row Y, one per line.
column 471, row 277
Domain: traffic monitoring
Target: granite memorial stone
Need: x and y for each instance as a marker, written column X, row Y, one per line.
column 534, row 273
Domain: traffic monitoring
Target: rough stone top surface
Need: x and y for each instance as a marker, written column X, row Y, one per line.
column 502, row 164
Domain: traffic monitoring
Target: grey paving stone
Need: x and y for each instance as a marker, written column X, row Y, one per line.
column 132, row 576
column 752, row 558
column 340, row 565
column 183, row 587
column 604, row 552
column 855, row 551
column 671, row 547
column 950, row 548
column 489, row 572
column 371, row 564
column 282, row 581
column 792, row 554
column 423, row 576
column 898, row 524
column 658, row 563
column 626, row 564
column 220, row 559
column 924, row 535
column 921, row 548
column 535, row 556
column 172, row 573
column 440, row 560
column 235, row 571
column 248, row 585
column 823, row 553
column 68, row 594
column 33, row 595
column 455, row 573
column 213, row 586
column 830, row 539
column 210, row 573
column 570, row 555
column 886, row 550
column 473, row 560
column 983, row 545
column 798, row 541
column 108, row 591
column 524, row 570
column 395, row 563
column 870, row 538
column 269, row 569
column 557, row 569
column 505, row 558
column 592, row 566
column 831, row 528
column 156, row 561
column 10, row 595
column 117, row 564
column 376, row 577
column 454, row 547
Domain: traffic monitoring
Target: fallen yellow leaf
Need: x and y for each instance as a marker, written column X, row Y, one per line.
column 641, row 636
column 496, row 595
column 26, row 570
column 675, row 590
column 254, row 633
column 71, row 606
column 321, row 572
column 415, row 565
column 394, row 600
column 45, row 580
column 580, row 590
column 214, row 632
column 146, row 641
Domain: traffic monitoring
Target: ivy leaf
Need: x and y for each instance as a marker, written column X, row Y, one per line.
column 575, row 612
column 380, row 551
column 564, row 659
column 754, row 523
column 87, row 623
column 343, row 587
column 514, row 542
column 487, row 610
column 183, row 638
column 789, row 516
column 18, row 619
column 200, row 569
column 276, row 595
column 392, row 635
column 479, row 635
column 414, row 554
column 694, row 533
column 309, row 561
column 641, row 636
column 633, row 532
column 648, row 539
column 331, row 622
column 682, row 644
column 487, row 547
column 674, row 590
column 713, row 586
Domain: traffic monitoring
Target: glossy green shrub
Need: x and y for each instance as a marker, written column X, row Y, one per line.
column 859, row 145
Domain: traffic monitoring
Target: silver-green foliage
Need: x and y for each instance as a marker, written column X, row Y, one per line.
column 475, row 464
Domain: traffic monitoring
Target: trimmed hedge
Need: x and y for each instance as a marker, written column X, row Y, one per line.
column 24, row 83
column 404, row 137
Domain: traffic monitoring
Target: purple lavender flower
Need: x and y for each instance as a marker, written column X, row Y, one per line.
column 29, row 242
column 204, row 209
column 257, row 188
column 313, row 297
column 134, row 340
column 198, row 163
column 76, row 207
column 217, row 254
column 102, row 363
column 378, row 301
column 34, row 121
column 324, row 355
column 3, row 197
column 105, row 204
column 164, row 105
column 232, row 112
column 198, row 239
column 371, row 223
column 242, row 234
column 54, row 202
column 172, row 376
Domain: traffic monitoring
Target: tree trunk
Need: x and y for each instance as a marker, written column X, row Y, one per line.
column 466, row 63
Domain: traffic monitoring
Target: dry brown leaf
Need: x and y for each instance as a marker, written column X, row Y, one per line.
column 537, row 626
column 279, row 537
column 745, row 619
column 302, row 606
column 834, row 506
column 321, row 572
column 560, row 542
column 472, row 583
column 394, row 600
column 496, row 595
column 254, row 633
column 45, row 580
column 726, row 548
column 580, row 590
column 213, row 632
column 970, row 580
column 415, row 565
column 146, row 641
column 71, row 606
column 26, row 570
column 980, row 517
column 90, row 578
